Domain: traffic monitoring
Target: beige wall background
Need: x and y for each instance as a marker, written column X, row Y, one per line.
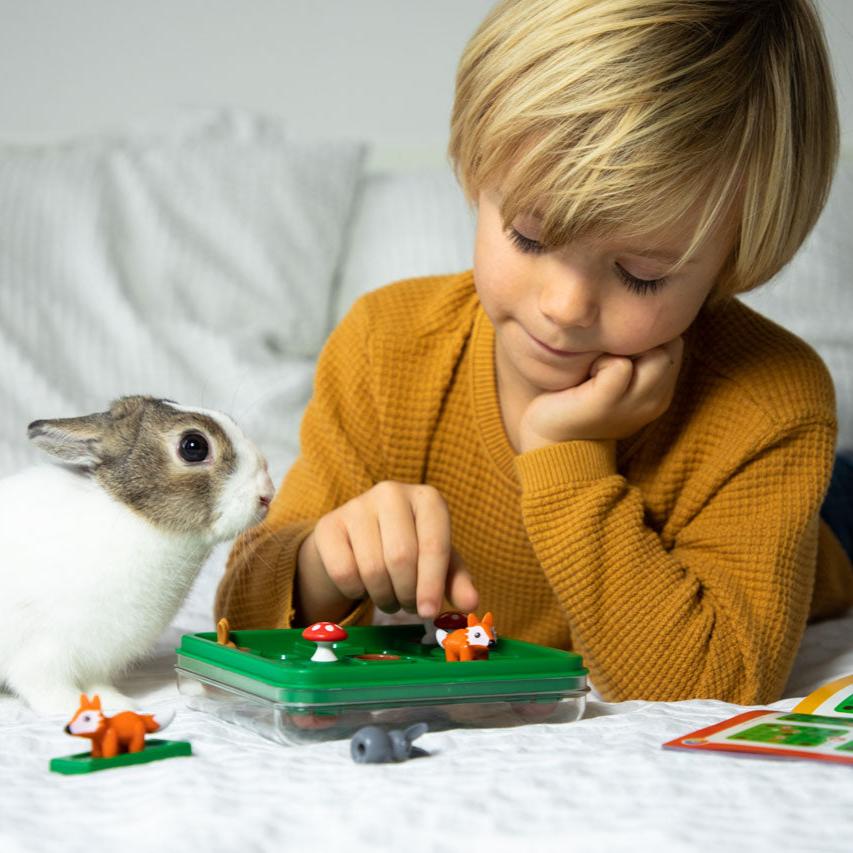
column 379, row 70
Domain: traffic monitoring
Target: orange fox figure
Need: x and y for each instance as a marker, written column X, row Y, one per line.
column 471, row 643
column 125, row 732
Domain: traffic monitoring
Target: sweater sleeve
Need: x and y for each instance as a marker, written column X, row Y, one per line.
column 715, row 609
column 340, row 457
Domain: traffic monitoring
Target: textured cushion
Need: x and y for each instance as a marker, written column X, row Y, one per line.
column 193, row 261
column 405, row 225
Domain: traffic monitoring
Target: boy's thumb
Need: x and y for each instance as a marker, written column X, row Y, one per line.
column 613, row 371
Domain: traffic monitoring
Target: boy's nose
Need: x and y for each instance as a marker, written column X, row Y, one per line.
column 568, row 303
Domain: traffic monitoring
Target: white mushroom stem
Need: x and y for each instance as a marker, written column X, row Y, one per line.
column 324, row 653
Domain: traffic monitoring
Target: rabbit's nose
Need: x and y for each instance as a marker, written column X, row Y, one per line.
column 265, row 500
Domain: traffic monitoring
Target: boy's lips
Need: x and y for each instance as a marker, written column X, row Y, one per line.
column 554, row 351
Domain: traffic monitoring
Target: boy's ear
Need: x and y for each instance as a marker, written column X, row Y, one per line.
column 77, row 441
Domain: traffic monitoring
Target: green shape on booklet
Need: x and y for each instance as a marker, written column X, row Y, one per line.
column 845, row 706
column 789, row 735
column 816, row 718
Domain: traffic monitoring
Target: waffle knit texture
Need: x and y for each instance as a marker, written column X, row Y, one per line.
column 683, row 562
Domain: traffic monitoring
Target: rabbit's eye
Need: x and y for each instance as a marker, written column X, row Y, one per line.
column 193, row 447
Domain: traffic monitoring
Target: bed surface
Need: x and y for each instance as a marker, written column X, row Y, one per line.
column 92, row 224
column 603, row 783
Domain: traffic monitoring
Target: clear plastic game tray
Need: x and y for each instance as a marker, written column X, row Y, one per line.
column 384, row 674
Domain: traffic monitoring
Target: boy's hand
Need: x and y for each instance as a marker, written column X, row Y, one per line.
column 392, row 543
column 622, row 395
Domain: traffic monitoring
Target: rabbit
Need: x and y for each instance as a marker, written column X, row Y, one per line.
column 98, row 551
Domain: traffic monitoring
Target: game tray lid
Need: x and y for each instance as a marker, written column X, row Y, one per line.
column 378, row 663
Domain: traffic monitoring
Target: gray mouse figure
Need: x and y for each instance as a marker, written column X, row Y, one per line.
column 375, row 745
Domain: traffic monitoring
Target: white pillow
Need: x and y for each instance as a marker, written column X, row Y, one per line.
column 408, row 225
column 404, row 225
column 222, row 220
column 194, row 262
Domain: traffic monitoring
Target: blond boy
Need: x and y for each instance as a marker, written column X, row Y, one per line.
column 587, row 434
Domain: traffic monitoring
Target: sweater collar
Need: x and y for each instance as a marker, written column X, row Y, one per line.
column 484, row 397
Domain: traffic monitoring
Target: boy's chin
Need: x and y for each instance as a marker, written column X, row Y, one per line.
column 552, row 379
column 555, row 386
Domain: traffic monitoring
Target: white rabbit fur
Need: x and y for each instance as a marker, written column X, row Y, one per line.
column 88, row 582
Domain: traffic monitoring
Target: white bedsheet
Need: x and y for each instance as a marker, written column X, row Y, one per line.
column 603, row 783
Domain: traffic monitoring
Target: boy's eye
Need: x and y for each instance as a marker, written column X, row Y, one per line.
column 640, row 286
column 525, row 244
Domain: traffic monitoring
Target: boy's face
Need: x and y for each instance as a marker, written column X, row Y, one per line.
column 556, row 311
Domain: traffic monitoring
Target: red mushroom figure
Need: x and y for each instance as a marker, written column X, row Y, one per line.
column 324, row 634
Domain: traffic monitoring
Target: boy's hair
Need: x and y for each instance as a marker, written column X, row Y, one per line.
column 621, row 115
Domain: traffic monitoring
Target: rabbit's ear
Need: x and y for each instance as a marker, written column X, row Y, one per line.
column 131, row 406
column 76, row 441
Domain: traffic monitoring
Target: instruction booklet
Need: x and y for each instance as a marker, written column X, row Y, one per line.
column 819, row 727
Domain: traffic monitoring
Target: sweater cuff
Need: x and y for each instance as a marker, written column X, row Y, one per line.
column 566, row 462
column 286, row 572
column 361, row 611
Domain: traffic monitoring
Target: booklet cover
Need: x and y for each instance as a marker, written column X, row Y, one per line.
column 820, row 727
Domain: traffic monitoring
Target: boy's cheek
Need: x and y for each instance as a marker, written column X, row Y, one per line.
column 495, row 286
column 634, row 333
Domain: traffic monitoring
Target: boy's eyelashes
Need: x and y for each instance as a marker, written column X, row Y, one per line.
column 635, row 285
column 639, row 285
column 526, row 244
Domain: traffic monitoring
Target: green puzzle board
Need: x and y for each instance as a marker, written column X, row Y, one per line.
column 276, row 666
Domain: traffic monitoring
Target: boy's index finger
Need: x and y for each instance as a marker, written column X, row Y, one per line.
column 432, row 527
column 659, row 364
column 461, row 592
column 672, row 351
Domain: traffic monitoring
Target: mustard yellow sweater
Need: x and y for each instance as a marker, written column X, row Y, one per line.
column 683, row 564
